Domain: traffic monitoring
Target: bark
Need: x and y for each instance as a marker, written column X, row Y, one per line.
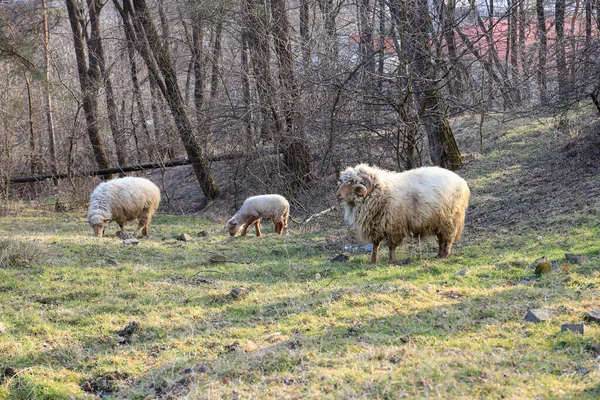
column 455, row 85
column 199, row 76
column 297, row 157
column 514, row 54
column 48, row 98
column 561, row 63
column 256, row 33
column 88, row 80
column 216, row 59
column 96, row 51
column 246, row 89
column 525, row 65
column 443, row 150
column 305, row 34
column 172, row 94
column 542, row 52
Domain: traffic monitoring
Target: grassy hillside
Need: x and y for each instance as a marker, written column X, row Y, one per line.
column 87, row 318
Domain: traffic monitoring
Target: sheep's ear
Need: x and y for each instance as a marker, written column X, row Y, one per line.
column 360, row 190
column 106, row 221
column 366, row 181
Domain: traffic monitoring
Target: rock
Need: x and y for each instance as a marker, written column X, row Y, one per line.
column 202, row 234
column 202, row 368
column 184, row 237
column 537, row 315
column 131, row 242
column 593, row 316
column 340, row 258
column 543, row 267
column 577, row 328
column 239, row 292
column 576, row 259
column 112, row 262
column 462, row 272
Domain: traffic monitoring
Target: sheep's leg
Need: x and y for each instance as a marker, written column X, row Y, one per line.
column 147, row 221
column 374, row 252
column 279, row 225
column 257, row 227
column 392, row 256
column 246, row 226
column 445, row 246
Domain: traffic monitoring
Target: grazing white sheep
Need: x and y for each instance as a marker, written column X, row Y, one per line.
column 272, row 206
column 385, row 205
column 123, row 200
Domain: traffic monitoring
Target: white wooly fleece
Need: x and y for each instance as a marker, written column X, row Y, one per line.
column 420, row 202
column 122, row 200
column 272, row 206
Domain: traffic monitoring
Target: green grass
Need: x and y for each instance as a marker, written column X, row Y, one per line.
column 305, row 327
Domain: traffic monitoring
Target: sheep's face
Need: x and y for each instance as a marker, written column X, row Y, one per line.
column 349, row 191
column 233, row 227
column 98, row 223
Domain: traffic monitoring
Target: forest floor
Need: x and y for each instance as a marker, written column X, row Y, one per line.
column 274, row 317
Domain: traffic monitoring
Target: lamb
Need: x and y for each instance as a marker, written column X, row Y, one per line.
column 123, row 200
column 272, row 206
column 385, row 205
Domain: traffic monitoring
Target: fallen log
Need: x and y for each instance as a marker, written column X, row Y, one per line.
column 139, row 167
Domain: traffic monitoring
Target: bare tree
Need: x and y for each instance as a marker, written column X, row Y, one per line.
column 89, row 79
column 158, row 60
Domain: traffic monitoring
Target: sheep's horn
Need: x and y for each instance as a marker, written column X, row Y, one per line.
column 360, row 190
column 366, row 181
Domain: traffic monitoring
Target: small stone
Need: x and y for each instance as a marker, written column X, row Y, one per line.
column 131, row 242
column 202, row 368
column 239, row 292
column 340, row 258
column 543, row 267
column 112, row 262
column 2, row 328
column 462, row 272
column 537, row 315
column 593, row 316
column 576, row 259
column 184, row 237
column 317, row 276
column 577, row 328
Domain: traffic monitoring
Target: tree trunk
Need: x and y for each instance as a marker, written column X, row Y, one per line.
column 172, row 94
column 525, row 65
column 514, row 54
column 257, row 36
column 49, row 112
column 542, row 51
column 88, row 80
column 443, row 150
column 216, row 59
column 96, row 51
column 305, row 34
column 246, row 93
column 561, row 62
column 199, row 75
column 297, row 157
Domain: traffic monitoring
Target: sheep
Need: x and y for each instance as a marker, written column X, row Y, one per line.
column 272, row 206
column 385, row 205
column 123, row 200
